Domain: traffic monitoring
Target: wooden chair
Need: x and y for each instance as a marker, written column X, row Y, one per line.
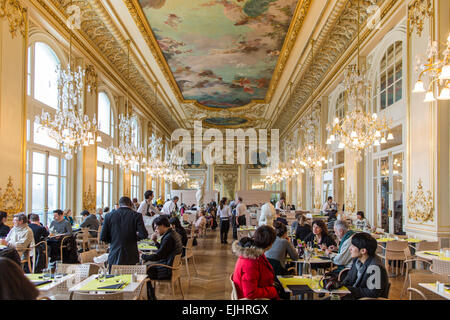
column 88, row 256
column 444, row 243
column 143, row 290
column 408, row 265
column 419, row 292
column 379, row 298
column 82, row 239
column 176, row 274
column 81, row 271
column 43, row 298
column 189, row 254
column 234, row 295
column 129, row 269
column 62, row 246
column 440, row 267
column 427, row 246
column 395, row 252
column 95, row 296
column 343, row 274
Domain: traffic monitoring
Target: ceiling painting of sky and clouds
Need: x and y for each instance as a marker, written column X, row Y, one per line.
column 222, row 53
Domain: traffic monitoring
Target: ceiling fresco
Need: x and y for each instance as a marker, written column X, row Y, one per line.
column 222, row 53
column 218, row 121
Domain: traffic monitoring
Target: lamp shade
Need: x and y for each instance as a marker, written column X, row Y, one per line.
column 418, row 87
column 445, row 94
column 429, row 97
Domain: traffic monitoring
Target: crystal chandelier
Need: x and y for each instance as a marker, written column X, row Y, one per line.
column 70, row 128
column 358, row 131
column 436, row 70
column 312, row 156
column 128, row 155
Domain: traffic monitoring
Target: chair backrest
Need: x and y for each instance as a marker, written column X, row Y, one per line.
column 444, row 243
column 98, row 233
column 176, row 272
column 416, row 278
column 427, row 245
column 440, row 267
column 88, row 256
column 129, row 269
column 395, row 250
column 192, row 231
column 94, row 296
column 234, row 295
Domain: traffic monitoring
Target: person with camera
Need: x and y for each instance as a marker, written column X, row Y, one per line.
column 367, row 276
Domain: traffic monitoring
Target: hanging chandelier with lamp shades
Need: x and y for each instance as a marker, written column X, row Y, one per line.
column 435, row 70
column 70, row 127
column 358, row 130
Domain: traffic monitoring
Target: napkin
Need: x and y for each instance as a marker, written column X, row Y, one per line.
column 40, row 283
column 299, row 288
column 114, row 286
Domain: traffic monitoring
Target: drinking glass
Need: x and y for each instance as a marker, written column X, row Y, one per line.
column 58, row 270
column 306, row 270
column 47, row 274
column 101, row 274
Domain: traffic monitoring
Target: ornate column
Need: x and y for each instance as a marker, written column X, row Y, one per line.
column 428, row 125
column 13, row 85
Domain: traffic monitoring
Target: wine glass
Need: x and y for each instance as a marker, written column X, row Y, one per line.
column 101, row 274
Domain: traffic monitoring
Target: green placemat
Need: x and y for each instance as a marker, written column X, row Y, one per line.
column 146, row 246
column 35, row 278
column 294, row 281
column 94, row 284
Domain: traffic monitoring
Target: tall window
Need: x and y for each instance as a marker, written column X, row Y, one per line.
column 105, row 167
column 341, row 104
column 105, row 114
column 135, row 185
column 46, row 167
column 104, row 178
column 391, row 75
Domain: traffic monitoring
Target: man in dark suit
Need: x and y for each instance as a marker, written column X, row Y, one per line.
column 123, row 228
column 368, row 276
column 40, row 234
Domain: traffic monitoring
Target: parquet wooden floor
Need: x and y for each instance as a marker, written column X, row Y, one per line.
column 215, row 263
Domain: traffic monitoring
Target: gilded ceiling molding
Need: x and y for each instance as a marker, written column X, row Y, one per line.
column 418, row 11
column 420, row 206
column 16, row 14
column 297, row 22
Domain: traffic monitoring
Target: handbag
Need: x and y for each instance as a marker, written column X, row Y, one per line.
column 330, row 282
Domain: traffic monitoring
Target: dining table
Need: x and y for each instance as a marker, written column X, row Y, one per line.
column 431, row 255
column 48, row 285
column 306, row 286
column 317, row 258
column 111, row 283
column 432, row 287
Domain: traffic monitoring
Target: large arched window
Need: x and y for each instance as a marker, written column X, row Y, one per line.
column 47, row 169
column 105, row 114
column 105, row 166
column 391, row 75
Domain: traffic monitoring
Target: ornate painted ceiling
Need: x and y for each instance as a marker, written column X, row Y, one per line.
column 222, row 53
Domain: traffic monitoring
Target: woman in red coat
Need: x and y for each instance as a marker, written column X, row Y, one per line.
column 253, row 275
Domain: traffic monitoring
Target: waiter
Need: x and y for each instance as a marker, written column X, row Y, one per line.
column 241, row 211
column 328, row 205
column 280, row 204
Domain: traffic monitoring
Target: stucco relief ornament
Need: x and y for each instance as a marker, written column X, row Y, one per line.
column 420, row 205
column 15, row 13
column 350, row 202
column 11, row 200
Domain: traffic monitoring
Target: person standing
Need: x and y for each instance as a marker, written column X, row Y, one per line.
column 146, row 206
column 224, row 213
column 328, row 205
column 280, row 205
column 123, row 228
column 170, row 206
column 241, row 212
